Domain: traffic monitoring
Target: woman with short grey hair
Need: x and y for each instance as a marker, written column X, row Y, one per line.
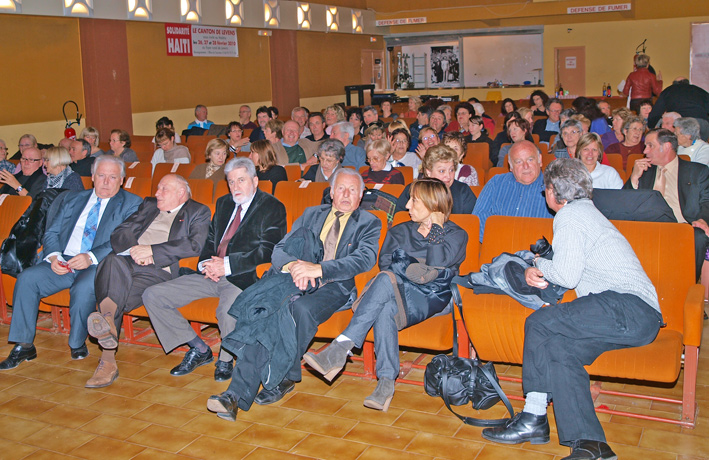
column 330, row 155
column 616, row 307
column 571, row 131
column 687, row 131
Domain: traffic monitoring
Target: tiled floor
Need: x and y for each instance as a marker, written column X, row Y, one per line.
column 46, row 413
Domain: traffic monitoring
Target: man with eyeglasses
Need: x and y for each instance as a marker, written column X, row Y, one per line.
column 550, row 126
column 30, row 180
column 245, row 118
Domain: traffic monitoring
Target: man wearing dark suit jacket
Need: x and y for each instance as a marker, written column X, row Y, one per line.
column 683, row 184
column 246, row 226
column 353, row 250
column 75, row 241
column 147, row 248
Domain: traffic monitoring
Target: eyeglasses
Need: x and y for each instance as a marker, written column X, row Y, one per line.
column 236, row 131
column 568, row 133
column 30, row 160
column 24, row 145
column 429, row 138
column 399, row 141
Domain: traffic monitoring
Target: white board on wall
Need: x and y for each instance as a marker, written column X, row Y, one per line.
column 510, row 58
column 699, row 56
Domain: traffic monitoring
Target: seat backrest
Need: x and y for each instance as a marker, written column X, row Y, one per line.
column 296, row 196
column 666, row 252
column 392, row 189
column 11, row 209
column 163, row 169
column 632, row 158
column 202, row 190
column 222, row 188
column 512, row 234
column 88, row 182
column 138, row 185
column 616, row 161
column 293, row 172
column 139, row 169
column 494, row 172
column 407, row 172
column 265, row 186
column 197, row 144
column 478, row 155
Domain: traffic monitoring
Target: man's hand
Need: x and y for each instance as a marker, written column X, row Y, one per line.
column 57, row 267
column 214, row 268
column 142, row 254
column 79, row 262
column 305, row 273
column 535, row 278
column 6, row 177
column 639, row 168
column 701, row 224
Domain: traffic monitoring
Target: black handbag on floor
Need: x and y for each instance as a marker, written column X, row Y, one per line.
column 462, row 380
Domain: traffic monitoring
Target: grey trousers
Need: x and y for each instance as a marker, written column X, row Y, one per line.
column 163, row 300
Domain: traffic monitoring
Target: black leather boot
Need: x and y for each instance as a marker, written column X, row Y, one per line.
column 521, row 428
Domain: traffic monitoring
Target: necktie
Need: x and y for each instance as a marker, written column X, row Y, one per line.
column 87, row 240
column 660, row 182
column 229, row 234
column 330, row 244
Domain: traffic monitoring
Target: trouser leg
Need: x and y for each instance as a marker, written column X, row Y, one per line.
column 227, row 295
column 309, row 311
column 246, row 376
column 163, row 300
column 32, row 285
column 560, row 340
column 82, row 304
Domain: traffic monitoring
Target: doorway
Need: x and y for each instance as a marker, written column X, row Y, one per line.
column 570, row 64
column 373, row 68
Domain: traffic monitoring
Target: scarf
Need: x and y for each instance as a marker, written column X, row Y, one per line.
column 56, row 181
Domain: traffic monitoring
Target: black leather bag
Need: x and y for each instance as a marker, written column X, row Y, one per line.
column 460, row 381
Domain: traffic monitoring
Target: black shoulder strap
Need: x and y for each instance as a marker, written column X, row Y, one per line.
column 457, row 300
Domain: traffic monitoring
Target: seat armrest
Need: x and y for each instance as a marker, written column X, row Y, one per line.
column 190, row 262
column 694, row 316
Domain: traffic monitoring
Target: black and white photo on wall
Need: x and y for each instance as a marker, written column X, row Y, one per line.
column 445, row 66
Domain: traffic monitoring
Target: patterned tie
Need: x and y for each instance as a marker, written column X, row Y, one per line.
column 229, row 234
column 330, row 244
column 90, row 228
column 660, row 182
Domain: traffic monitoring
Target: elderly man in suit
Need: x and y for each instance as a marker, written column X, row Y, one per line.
column 683, row 184
column 350, row 240
column 75, row 241
column 147, row 248
column 246, row 226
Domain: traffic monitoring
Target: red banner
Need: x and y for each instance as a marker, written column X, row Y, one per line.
column 179, row 39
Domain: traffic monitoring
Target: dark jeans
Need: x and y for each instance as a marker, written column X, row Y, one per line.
column 561, row 339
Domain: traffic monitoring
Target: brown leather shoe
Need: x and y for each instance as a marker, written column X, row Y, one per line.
column 106, row 373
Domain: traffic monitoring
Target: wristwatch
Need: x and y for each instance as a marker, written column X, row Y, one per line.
column 19, row 189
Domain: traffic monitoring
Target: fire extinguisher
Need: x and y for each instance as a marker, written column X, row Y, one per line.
column 69, row 132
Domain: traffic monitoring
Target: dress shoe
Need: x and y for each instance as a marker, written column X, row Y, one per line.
column 17, row 355
column 223, row 370
column 584, row 449
column 330, row 361
column 192, row 360
column 265, row 397
column 225, row 405
column 100, row 327
column 382, row 395
column 105, row 374
column 79, row 353
column 521, row 428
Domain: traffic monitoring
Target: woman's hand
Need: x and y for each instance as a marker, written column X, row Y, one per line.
column 421, row 150
column 438, row 218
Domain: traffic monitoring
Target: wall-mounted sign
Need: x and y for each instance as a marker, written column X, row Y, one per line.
column 199, row 40
column 599, row 8
column 570, row 62
column 398, row 22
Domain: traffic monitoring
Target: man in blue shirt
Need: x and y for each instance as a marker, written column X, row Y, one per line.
column 517, row 193
column 354, row 156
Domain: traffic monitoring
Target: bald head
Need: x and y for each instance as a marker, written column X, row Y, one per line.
column 173, row 191
column 525, row 162
column 291, row 132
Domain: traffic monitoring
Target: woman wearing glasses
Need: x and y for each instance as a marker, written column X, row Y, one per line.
column 633, row 131
column 571, row 132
